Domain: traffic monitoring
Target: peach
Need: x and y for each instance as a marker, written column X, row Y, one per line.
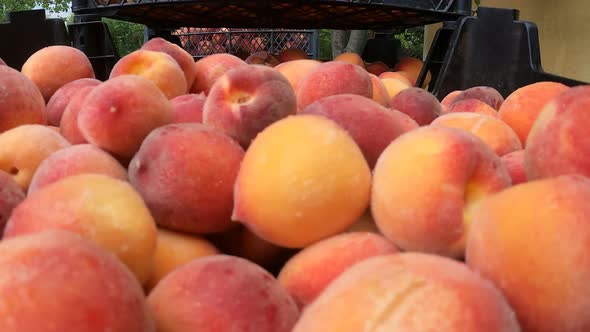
column 296, row 70
column 56, row 281
column 470, row 106
column 68, row 125
column 20, row 100
column 522, row 107
column 262, row 58
column 371, row 125
column 189, row 108
column 495, row 133
column 333, row 78
column 409, row 292
column 75, row 160
column 402, row 76
column 427, row 183
column 52, row 67
column 291, row 54
column 23, row 148
column 62, row 97
column 157, row 67
column 100, row 208
column 309, row 272
column 394, row 86
column 514, row 163
column 351, row 57
column 364, row 224
column 247, row 99
column 222, row 293
column 411, row 68
column 532, row 242
column 11, row 194
column 117, row 115
column 182, row 57
column 419, row 104
column 405, row 120
column 557, row 143
column 315, row 174
column 380, row 93
column 448, row 99
column 486, row 94
column 377, row 68
column 175, row 250
column 2, row 63
column 210, row 68
column 186, row 173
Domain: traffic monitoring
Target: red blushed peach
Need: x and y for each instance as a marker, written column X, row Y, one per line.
column 557, row 143
column 52, row 67
column 333, row 78
column 514, row 163
column 380, row 94
column 61, row 98
column 186, row 173
column 75, row 160
column 68, row 126
column 448, row 99
column 470, row 106
column 309, row 272
column 189, row 108
column 262, row 58
column 426, row 185
column 118, row 114
column 377, row 68
column 316, row 175
column 495, row 133
column 351, row 57
column 419, row 104
column 405, row 120
column 102, row 209
column 393, row 86
column 522, row 107
column 2, row 63
column 296, row 70
column 182, row 57
column 157, row 67
column 20, row 100
column 371, row 125
column 397, row 75
column 409, row 292
column 485, row 94
column 210, row 68
column 532, row 242
column 246, row 100
column 75, row 285
column 291, row 54
column 23, row 148
column 222, row 293
column 11, row 194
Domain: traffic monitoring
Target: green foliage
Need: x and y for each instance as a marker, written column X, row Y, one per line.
column 127, row 36
column 412, row 41
column 53, row 6
column 325, row 45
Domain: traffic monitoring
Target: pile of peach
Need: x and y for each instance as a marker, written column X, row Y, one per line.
column 287, row 194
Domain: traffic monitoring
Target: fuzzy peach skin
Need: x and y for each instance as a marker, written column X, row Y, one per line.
column 310, row 271
column 186, row 173
column 11, row 194
column 157, row 67
column 2, row 63
column 20, row 100
column 296, row 70
column 247, row 99
column 68, row 125
column 557, row 143
column 182, row 57
column 62, row 97
column 522, row 107
column 102, row 209
column 410, row 292
column 448, row 99
column 393, row 86
column 486, row 94
column 371, row 125
column 411, row 68
column 302, row 179
column 75, row 160
column 333, row 78
column 426, row 185
column 548, row 291
column 493, row 131
column 189, row 108
column 377, row 68
column 117, row 115
column 22, row 149
column 291, row 54
column 52, row 67
column 470, row 106
column 419, row 104
column 380, row 93
column 222, row 293
column 57, row 281
column 397, row 75
column 210, row 68
column 514, row 163
column 351, row 57
column 405, row 120
column 175, row 250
